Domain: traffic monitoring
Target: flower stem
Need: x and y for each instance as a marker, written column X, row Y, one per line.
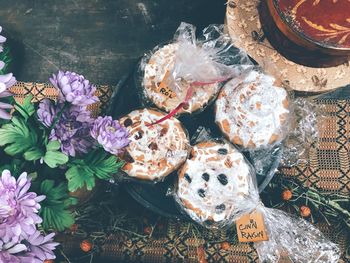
column 20, row 106
column 58, row 116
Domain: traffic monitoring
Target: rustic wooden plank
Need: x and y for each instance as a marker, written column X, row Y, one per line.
column 101, row 39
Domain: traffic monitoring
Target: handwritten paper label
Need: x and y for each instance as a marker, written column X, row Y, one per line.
column 164, row 89
column 251, row 228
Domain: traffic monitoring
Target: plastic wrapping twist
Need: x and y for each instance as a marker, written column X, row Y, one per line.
column 295, row 239
column 190, row 65
column 304, row 132
column 217, row 187
column 209, row 60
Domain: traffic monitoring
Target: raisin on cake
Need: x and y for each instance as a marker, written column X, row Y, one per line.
column 154, row 150
column 212, row 181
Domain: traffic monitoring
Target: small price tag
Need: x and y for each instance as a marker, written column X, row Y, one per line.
column 164, row 89
column 251, row 228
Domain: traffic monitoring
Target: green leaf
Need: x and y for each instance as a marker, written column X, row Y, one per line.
column 103, row 164
column 17, row 136
column 33, row 176
column 55, row 158
column 53, row 146
column 78, row 176
column 5, row 56
column 27, row 108
column 33, row 154
column 55, row 207
column 14, row 165
column 98, row 163
column 105, row 168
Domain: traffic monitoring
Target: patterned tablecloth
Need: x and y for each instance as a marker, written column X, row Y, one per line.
column 140, row 236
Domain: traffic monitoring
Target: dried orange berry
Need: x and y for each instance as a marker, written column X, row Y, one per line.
column 74, row 228
column 147, row 230
column 305, row 211
column 201, row 255
column 225, row 245
column 287, row 195
column 49, row 261
column 85, row 245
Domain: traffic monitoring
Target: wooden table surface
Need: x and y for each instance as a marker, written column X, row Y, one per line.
column 101, row 39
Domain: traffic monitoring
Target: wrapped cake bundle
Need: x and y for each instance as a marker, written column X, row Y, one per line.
column 259, row 116
column 154, row 151
column 253, row 112
column 217, row 187
column 185, row 75
column 212, row 181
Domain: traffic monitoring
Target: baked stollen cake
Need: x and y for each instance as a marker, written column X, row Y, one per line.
column 156, row 150
column 252, row 113
column 159, row 65
column 212, row 181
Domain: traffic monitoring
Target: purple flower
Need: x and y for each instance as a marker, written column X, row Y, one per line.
column 46, row 112
column 40, row 247
column 72, row 129
column 110, row 134
column 20, row 241
column 6, row 81
column 74, row 88
column 19, row 208
column 36, row 249
column 74, row 136
column 7, row 257
column 2, row 40
column 9, row 250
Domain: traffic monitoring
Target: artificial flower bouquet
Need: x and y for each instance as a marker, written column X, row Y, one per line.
column 61, row 146
column 49, row 149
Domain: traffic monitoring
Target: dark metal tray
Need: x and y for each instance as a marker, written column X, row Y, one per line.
column 154, row 196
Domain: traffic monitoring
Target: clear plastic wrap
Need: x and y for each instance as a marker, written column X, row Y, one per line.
column 187, row 74
column 154, row 151
column 253, row 111
column 303, row 134
column 217, row 187
column 212, row 181
column 266, row 163
column 295, row 239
